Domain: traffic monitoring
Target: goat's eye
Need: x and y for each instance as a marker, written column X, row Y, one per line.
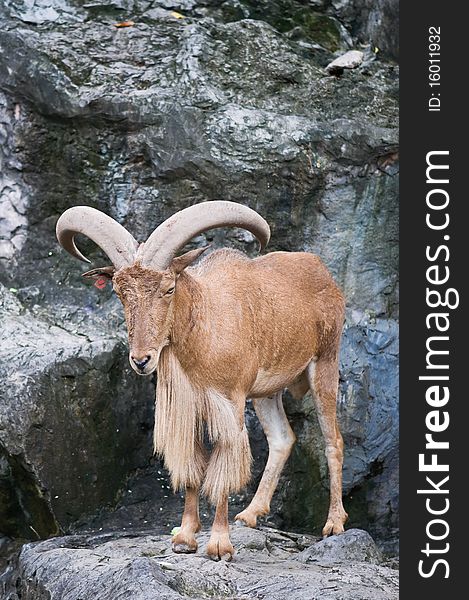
column 170, row 291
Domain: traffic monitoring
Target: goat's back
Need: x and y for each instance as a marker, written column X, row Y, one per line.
column 277, row 277
column 276, row 312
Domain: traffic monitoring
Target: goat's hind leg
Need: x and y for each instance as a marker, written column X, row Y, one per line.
column 184, row 541
column 281, row 438
column 323, row 378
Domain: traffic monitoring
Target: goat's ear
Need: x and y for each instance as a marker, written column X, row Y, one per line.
column 107, row 272
column 179, row 263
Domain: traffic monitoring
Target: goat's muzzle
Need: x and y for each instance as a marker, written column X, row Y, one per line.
column 143, row 364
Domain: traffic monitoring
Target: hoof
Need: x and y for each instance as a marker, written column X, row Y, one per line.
column 184, row 549
column 334, row 525
column 220, row 549
column 246, row 519
column 239, row 523
column 182, row 544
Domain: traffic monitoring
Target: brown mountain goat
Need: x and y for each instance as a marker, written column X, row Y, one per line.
column 227, row 329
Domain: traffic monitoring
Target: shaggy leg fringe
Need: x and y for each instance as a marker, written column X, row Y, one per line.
column 180, row 414
column 178, row 427
column 229, row 467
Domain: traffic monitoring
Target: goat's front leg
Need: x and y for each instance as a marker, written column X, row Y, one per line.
column 184, row 541
column 228, row 469
column 219, row 546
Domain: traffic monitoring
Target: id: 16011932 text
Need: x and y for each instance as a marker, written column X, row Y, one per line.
column 434, row 68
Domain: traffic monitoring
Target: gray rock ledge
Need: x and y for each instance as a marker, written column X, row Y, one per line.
column 268, row 564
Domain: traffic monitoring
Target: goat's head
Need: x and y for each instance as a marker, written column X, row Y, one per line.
column 147, row 296
column 145, row 276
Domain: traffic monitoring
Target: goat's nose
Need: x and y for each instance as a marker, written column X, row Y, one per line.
column 140, row 363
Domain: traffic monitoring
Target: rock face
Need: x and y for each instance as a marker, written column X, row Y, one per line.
column 73, row 421
column 268, row 564
column 196, row 101
column 374, row 21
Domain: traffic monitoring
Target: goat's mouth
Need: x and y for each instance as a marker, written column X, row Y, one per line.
column 145, row 364
column 146, row 371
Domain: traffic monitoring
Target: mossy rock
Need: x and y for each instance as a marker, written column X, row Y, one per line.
column 294, row 18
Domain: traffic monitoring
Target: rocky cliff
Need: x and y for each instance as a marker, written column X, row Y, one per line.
column 190, row 101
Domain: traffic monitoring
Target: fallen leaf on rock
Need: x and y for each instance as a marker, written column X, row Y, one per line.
column 124, row 24
column 177, row 15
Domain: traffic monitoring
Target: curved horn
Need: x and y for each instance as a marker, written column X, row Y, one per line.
column 119, row 245
column 175, row 232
